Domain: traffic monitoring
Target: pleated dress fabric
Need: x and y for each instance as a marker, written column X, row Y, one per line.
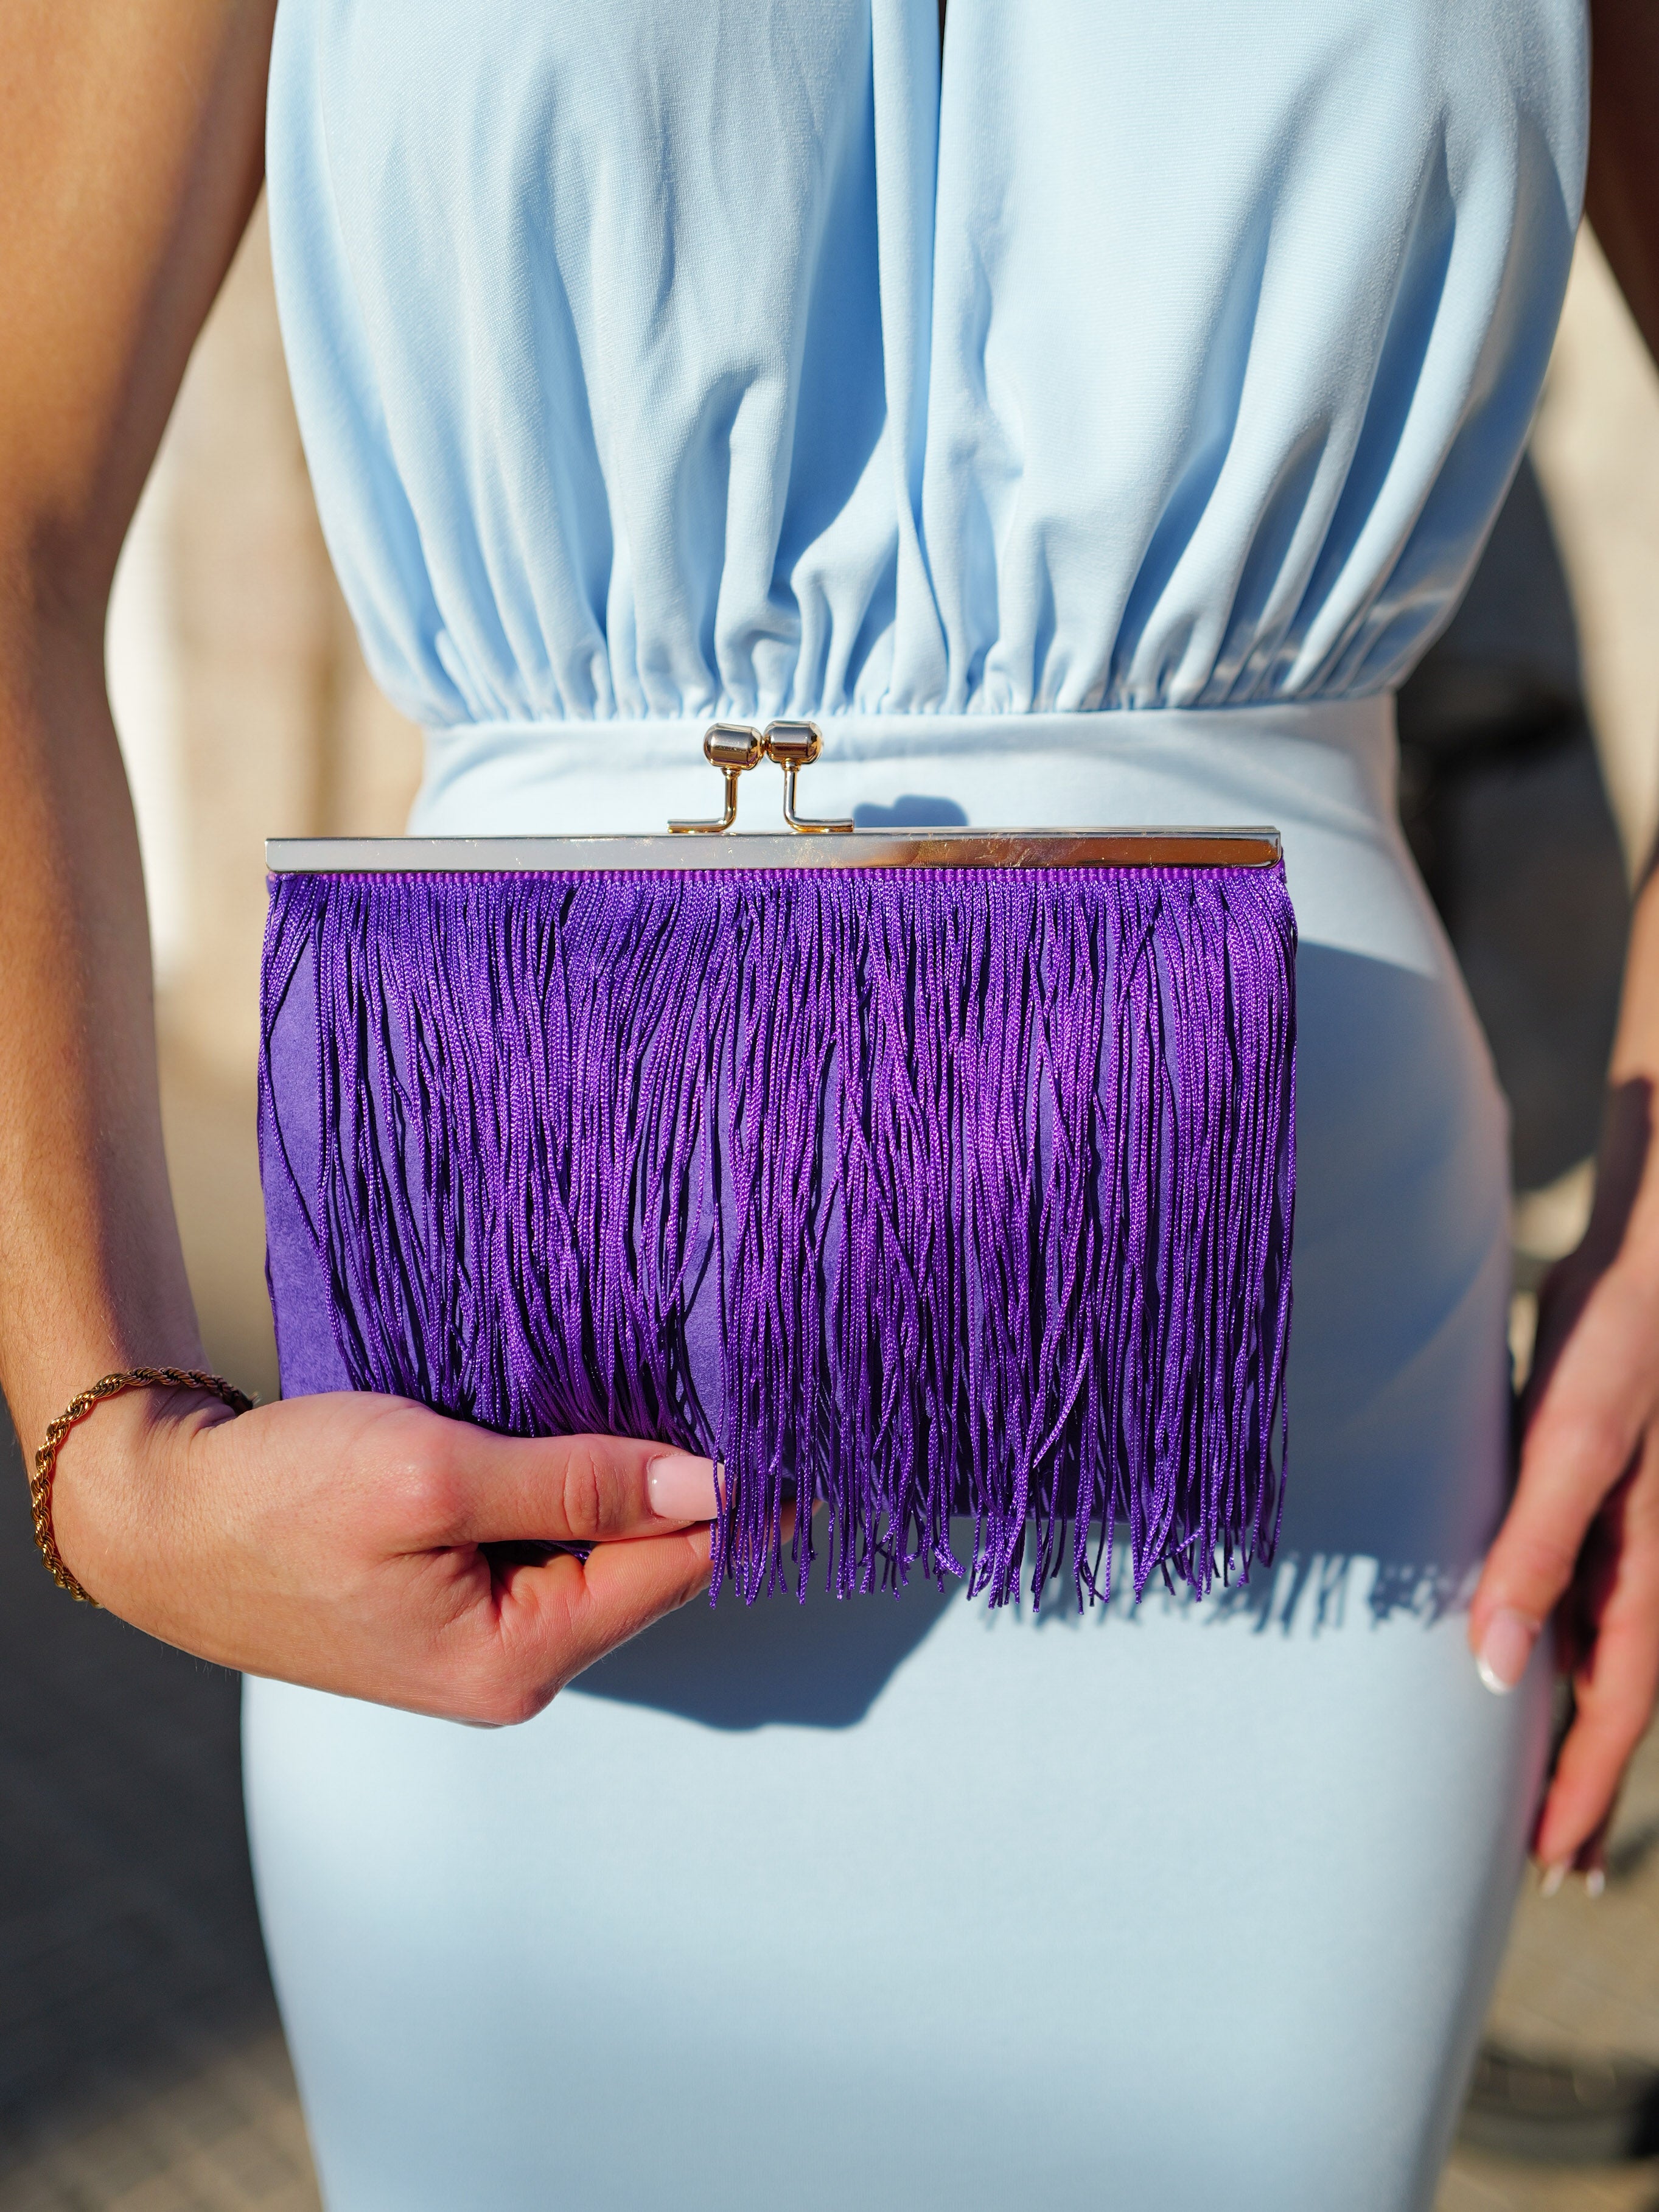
column 1093, row 430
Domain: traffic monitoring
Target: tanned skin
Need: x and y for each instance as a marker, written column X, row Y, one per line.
column 338, row 1541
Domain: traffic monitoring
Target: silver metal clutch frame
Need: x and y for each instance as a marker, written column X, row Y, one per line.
column 861, row 848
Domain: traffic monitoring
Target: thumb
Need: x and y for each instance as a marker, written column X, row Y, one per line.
column 467, row 1486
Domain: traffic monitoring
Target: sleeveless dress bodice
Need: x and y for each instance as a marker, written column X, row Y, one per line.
column 668, row 361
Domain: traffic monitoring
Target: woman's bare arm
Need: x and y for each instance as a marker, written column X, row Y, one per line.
column 1581, row 1542
column 130, row 157
column 335, row 1540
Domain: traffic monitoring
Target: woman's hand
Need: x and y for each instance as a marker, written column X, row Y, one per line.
column 1581, row 1541
column 1580, row 1544
column 342, row 1541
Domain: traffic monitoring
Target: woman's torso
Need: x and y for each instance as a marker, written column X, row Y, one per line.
column 1095, row 432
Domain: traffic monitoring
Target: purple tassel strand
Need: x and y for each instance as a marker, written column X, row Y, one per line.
column 918, row 1192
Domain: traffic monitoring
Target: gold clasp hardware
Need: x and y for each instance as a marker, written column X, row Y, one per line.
column 793, row 746
column 736, row 747
column 733, row 748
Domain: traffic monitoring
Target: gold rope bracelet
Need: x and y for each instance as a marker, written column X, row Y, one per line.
column 107, row 1386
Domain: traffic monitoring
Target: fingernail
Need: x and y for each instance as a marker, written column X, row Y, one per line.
column 681, row 1487
column 1552, row 1879
column 1504, row 1650
column 1595, row 1881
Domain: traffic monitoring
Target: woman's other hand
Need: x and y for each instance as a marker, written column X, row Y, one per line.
column 345, row 1542
column 1579, row 1547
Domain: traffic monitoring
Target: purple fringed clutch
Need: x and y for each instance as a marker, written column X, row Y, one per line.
column 923, row 1174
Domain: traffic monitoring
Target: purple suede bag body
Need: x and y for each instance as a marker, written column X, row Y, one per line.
column 938, row 1178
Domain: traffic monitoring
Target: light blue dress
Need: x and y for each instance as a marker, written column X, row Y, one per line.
column 1095, row 433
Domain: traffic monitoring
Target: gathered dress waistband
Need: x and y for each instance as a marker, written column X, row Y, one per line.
column 1017, row 771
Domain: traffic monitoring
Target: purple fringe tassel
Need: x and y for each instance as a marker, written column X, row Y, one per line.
column 914, row 1191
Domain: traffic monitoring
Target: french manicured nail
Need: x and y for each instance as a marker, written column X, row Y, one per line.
column 1595, row 1881
column 1552, row 1879
column 1504, row 1650
column 681, row 1487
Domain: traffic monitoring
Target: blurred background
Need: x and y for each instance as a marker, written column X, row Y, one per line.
column 141, row 2065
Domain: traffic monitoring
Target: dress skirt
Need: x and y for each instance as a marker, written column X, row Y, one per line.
column 895, row 1904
